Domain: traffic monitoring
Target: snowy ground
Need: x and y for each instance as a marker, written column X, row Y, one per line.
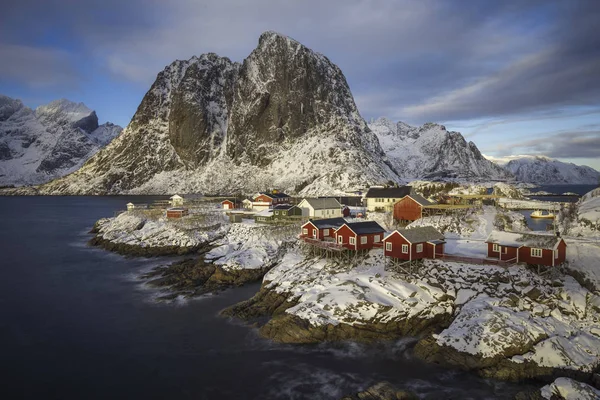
column 569, row 389
column 514, row 204
column 249, row 245
column 137, row 229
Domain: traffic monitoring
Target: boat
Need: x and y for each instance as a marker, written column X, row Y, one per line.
column 542, row 214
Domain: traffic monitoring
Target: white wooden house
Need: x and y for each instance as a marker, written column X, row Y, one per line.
column 176, row 201
column 320, row 208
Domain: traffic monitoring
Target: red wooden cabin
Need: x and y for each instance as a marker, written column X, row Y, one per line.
column 548, row 250
column 177, row 212
column 410, row 207
column 272, row 198
column 414, row 244
column 228, row 205
column 359, row 235
column 321, row 229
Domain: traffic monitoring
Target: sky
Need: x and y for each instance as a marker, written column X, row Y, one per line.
column 515, row 77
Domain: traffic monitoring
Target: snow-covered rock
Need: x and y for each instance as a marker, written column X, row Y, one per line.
column 430, row 151
column 547, row 171
column 569, row 389
column 50, row 142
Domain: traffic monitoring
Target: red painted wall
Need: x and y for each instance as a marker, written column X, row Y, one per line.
column 511, row 252
column 264, row 198
column 346, row 233
column 407, row 209
column 228, row 202
column 398, row 240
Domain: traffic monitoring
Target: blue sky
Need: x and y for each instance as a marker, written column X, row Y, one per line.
column 515, row 77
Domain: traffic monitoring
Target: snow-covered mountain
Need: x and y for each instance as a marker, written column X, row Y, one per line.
column 430, row 152
column 50, row 142
column 547, row 171
column 283, row 118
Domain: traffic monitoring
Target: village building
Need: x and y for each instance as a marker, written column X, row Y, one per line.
column 410, row 207
column 287, row 211
column 539, row 249
column 265, row 200
column 130, row 206
column 228, row 204
column 177, row 212
column 383, row 199
column 346, row 211
column 247, row 204
column 321, row 229
column 325, row 207
column 264, row 216
column 359, row 235
column 177, row 201
column 414, row 244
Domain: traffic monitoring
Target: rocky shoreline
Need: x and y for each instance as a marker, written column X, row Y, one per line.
column 129, row 250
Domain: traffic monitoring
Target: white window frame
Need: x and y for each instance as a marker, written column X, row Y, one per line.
column 377, row 238
column 352, row 240
column 496, row 248
column 555, row 254
column 363, row 240
column 315, row 233
column 325, row 232
column 420, row 248
column 388, row 246
column 536, row 253
column 305, row 231
column 340, row 239
column 404, row 249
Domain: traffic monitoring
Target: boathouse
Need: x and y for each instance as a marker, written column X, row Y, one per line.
column 414, row 244
column 410, row 208
column 177, row 212
column 359, row 235
column 539, row 249
column 228, row 204
column 321, row 229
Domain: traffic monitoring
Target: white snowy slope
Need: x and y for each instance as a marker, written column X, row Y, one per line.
column 569, row 389
column 283, row 118
column 547, row 171
column 430, row 151
column 50, row 142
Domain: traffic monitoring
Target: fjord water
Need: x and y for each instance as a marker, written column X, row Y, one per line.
column 77, row 324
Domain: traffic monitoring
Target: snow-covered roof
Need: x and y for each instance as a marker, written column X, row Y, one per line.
column 176, row 209
column 264, row 213
column 389, row 193
column 278, row 195
column 176, row 197
column 328, row 223
column 366, row 227
column 420, row 234
column 130, row 204
column 518, row 239
column 325, row 203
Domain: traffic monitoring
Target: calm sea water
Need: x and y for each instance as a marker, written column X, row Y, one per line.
column 77, row 324
column 560, row 189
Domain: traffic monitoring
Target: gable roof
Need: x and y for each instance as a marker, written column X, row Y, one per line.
column 327, row 223
column 420, row 199
column 518, row 239
column 366, row 227
column 389, row 193
column 176, row 197
column 273, row 195
column 419, row 234
column 283, row 207
column 325, row 203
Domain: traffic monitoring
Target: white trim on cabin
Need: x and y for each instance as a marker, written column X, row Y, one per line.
column 388, row 246
column 405, row 248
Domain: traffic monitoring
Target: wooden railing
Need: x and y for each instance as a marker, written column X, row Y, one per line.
column 475, row 260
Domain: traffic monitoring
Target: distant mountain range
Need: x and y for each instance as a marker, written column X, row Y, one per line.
column 51, row 141
column 547, row 171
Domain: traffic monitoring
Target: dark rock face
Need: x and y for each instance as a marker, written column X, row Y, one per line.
column 88, row 124
column 199, row 109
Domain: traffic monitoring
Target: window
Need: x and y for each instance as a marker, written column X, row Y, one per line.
column 304, row 231
column 420, row 248
column 388, row 246
column 405, row 248
column 555, row 253
column 352, row 240
column 314, row 232
column 340, row 240
column 276, row 212
column 536, row 252
column 363, row 240
column 284, row 213
column 325, row 232
column 377, row 238
column 496, row 248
